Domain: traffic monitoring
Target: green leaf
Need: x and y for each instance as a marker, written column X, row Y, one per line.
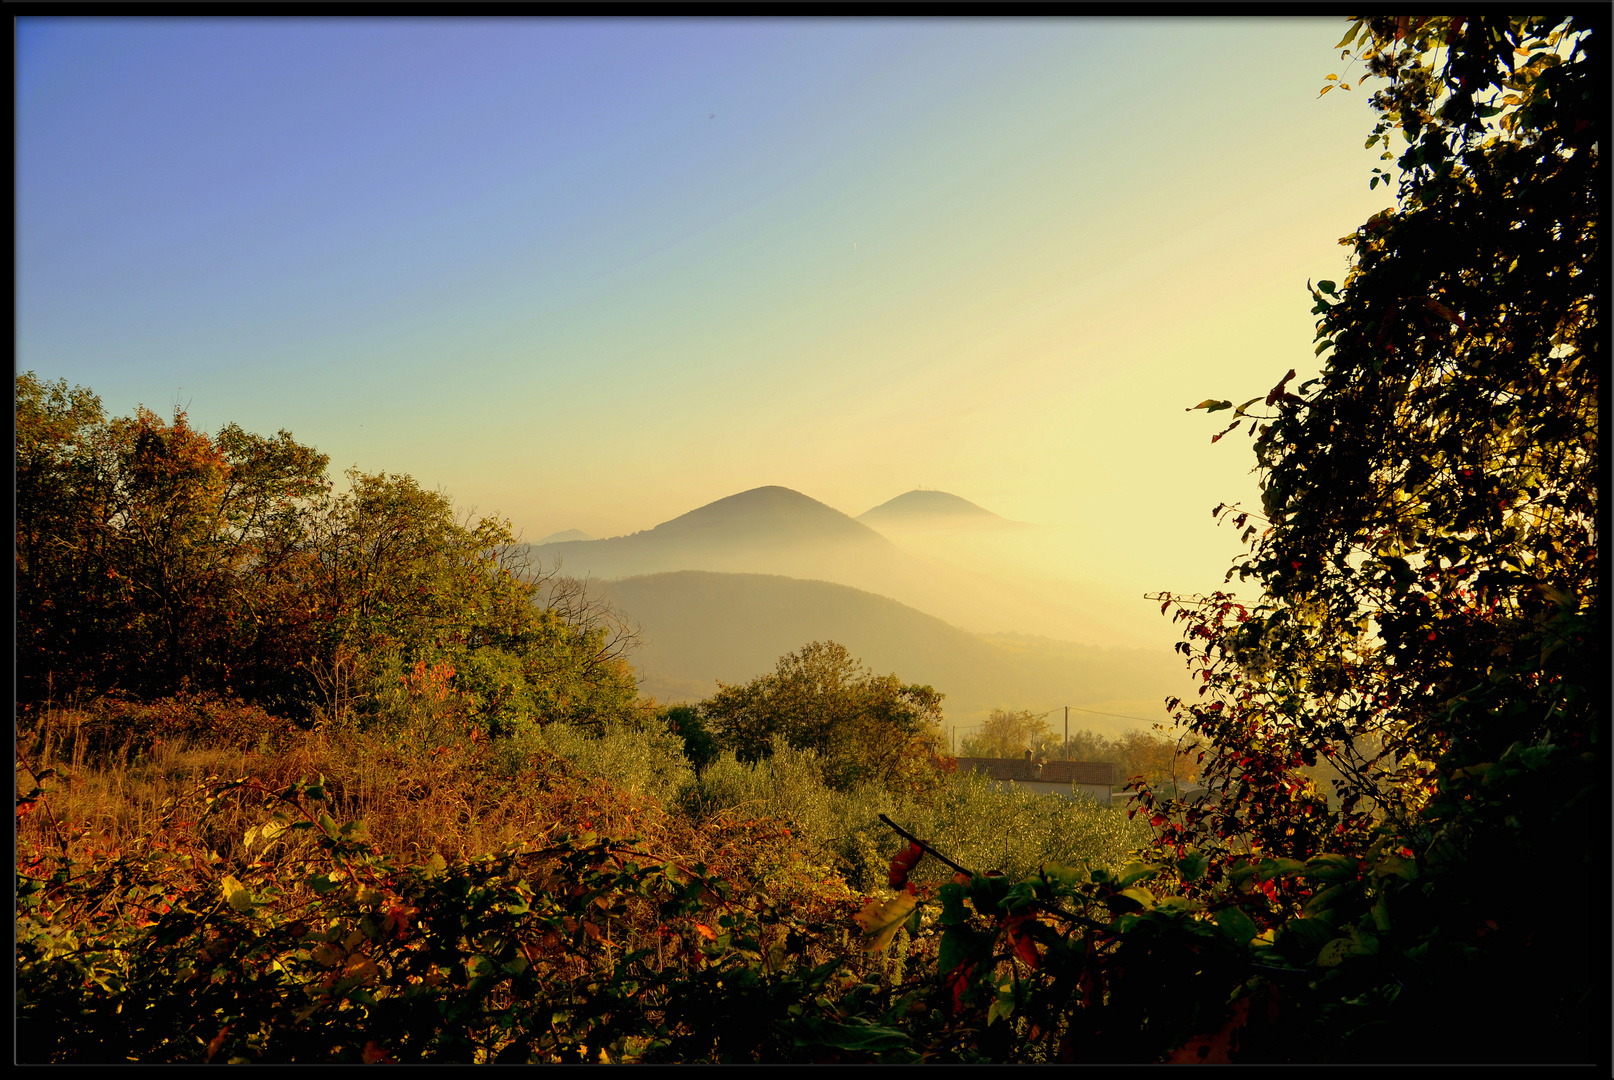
column 1135, row 872
column 1179, row 905
column 1395, row 866
column 1236, row 925
column 1324, row 900
column 1142, row 896
column 1306, row 936
column 323, row 883
column 1192, row 867
column 1354, row 943
column 1276, row 868
column 1002, row 1006
column 986, row 892
column 1212, row 405
column 960, row 945
column 866, row 1038
column 1330, row 867
column 953, row 912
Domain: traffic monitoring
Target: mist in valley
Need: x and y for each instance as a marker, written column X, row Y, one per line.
column 929, row 586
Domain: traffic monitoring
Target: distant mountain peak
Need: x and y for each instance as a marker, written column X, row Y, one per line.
column 564, row 537
column 771, row 509
column 923, row 505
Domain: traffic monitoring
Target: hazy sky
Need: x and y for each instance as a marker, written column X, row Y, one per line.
column 594, row 273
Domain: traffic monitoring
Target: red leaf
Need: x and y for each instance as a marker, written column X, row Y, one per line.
column 1214, row 1048
column 902, row 864
column 1024, row 947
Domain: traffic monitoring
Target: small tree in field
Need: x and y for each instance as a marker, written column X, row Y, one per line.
column 1008, row 734
column 866, row 727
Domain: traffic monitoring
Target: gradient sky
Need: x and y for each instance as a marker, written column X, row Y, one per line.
column 593, row 274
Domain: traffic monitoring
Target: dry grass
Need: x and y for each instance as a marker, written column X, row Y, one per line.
column 459, row 800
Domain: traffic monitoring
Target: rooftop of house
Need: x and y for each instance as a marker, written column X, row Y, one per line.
column 1057, row 772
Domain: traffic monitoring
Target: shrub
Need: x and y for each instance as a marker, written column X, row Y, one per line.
column 648, row 760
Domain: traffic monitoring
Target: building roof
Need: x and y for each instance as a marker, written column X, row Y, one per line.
column 1057, row 772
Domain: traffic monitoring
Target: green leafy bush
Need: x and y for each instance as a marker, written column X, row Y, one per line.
column 633, row 758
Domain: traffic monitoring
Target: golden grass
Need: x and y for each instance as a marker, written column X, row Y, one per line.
column 459, row 800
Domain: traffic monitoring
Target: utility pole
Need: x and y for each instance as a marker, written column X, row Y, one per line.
column 1067, row 732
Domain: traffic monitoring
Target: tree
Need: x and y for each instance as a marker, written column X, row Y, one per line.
column 866, row 727
column 148, row 554
column 1009, row 734
column 152, row 558
column 394, row 579
column 1426, row 624
column 1426, row 555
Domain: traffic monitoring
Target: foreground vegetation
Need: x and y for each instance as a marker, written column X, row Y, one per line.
column 336, row 782
column 555, row 897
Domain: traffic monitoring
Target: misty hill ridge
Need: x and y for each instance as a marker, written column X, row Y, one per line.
column 701, row 628
column 925, row 504
column 774, row 530
column 767, row 529
column 765, row 514
column 932, row 509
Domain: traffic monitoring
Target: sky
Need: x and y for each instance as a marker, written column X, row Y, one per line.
column 593, row 274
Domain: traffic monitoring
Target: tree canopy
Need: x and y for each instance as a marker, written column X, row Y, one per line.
column 1008, row 733
column 1426, row 555
column 866, row 727
column 153, row 558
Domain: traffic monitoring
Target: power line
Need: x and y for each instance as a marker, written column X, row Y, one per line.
column 1095, row 712
column 1123, row 716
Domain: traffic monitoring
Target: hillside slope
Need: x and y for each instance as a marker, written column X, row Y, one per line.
column 932, row 509
column 774, row 530
column 703, row 627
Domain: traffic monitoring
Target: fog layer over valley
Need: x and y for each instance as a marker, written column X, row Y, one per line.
column 701, row 627
column 928, row 585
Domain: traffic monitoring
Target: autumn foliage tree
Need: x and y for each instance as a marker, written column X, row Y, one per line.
column 866, row 727
column 150, row 555
column 1425, row 626
column 152, row 558
column 1008, row 733
column 1427, row 618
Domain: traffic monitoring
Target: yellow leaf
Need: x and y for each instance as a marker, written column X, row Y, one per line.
column 1325, row 89
column 236, row 894
column 880, row 921
column 265, row 833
